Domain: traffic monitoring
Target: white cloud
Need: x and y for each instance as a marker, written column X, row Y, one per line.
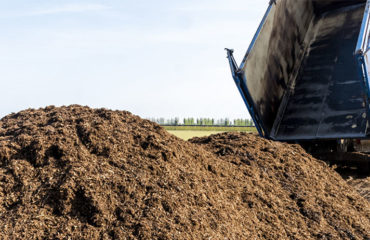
column 70, row 8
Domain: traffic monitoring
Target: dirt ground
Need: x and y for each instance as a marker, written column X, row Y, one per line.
column 81, row 173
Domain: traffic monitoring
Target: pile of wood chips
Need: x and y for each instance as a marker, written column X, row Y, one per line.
column 80, row 173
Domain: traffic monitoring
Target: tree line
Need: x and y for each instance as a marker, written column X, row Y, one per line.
column 203, row 122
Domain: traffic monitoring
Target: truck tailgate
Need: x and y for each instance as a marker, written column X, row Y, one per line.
column 305, row 74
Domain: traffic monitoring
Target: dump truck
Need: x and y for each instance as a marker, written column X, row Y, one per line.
column 305, row 76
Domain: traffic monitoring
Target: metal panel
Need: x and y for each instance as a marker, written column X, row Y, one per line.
column 362, row 52
column 275, row 57
column 300, row 78
column 328, row 100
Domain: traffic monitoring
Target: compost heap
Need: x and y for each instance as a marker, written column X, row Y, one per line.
column 80, row 173
column 362, row 185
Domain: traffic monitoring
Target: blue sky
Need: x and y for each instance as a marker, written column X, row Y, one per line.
column 154, row 58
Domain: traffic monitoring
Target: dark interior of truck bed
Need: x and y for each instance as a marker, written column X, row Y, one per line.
column 327, row 99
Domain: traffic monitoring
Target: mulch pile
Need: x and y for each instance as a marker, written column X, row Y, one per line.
column 362, row 185
column 80, row 173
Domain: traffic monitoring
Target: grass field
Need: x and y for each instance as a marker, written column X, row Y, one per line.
column 187, row 132
column 190, row 134
column 211, row 128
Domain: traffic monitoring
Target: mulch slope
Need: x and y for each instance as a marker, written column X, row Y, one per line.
column 362, row 185
column 81, row 173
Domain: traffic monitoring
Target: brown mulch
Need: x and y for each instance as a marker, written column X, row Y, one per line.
column 80, row 173
column 362, row 185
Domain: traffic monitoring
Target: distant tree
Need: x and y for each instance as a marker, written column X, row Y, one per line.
column 221, row 122
column 227, row 122
column 237, row 122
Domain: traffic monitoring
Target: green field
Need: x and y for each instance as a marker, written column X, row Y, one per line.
column 211, row 128
column 187, row 132
column 190, row 134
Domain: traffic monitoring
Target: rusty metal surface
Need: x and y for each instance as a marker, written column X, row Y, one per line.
column 328, row 100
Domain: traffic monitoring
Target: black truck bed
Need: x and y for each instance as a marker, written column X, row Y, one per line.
column 328, row 100
column 306, row 73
